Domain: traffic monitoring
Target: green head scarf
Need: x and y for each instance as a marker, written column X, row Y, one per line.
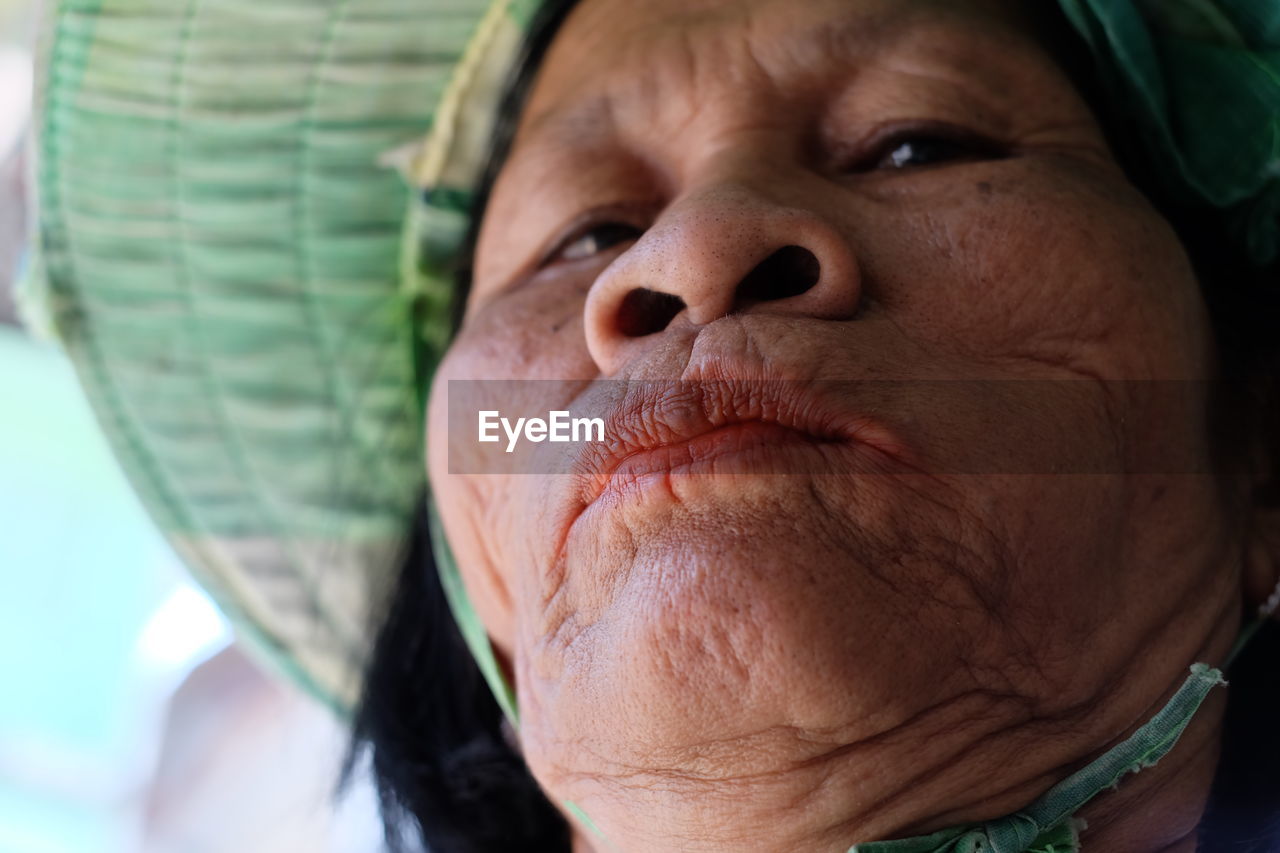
column 254, row 298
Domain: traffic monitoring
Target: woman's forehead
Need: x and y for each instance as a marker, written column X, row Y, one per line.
column 617, row 55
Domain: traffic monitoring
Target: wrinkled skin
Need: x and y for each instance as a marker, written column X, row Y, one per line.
column 710, row 660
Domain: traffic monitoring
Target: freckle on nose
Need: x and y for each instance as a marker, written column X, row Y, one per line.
column 984, row 188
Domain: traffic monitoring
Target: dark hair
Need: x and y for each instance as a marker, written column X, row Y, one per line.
column 449, row 777
column 442, row 765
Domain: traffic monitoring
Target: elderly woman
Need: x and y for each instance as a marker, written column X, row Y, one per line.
column 936, row 477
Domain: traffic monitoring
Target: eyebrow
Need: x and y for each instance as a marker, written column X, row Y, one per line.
column 584, row 119
column 848, row 41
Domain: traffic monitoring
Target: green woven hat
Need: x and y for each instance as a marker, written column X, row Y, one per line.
column 254, row 295
column 220, row 255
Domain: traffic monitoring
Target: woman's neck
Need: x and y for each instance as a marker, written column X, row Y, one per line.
column 1156, row 810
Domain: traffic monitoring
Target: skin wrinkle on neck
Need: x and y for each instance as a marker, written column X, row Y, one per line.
column 1105, row 817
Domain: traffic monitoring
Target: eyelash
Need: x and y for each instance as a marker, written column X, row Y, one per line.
column 588, row 224
column 969, row 149
column 969, row 146
column 880, row 156
column 582, row 234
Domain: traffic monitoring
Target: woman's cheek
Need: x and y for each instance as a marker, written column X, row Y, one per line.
column 1032, row 266
column 533, row 332
column 519, row 356
column 520, row 353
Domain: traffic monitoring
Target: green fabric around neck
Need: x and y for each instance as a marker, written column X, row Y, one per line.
column 1048, row 825
column 464, row 613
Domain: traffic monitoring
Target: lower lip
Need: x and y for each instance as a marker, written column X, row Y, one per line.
column 753, row 447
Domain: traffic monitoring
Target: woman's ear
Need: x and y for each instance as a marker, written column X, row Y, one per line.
column 1262, row 563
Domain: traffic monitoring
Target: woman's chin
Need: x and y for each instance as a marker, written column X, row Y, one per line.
column 741, row 610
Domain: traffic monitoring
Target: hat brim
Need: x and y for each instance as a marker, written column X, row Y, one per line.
column 220, row 255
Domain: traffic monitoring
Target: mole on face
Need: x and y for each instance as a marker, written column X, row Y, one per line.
column 984, row 188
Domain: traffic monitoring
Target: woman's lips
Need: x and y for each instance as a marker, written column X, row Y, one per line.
column 739, row 448
column 688, row 428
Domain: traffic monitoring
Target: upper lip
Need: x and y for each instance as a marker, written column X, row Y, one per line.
column 647, row 415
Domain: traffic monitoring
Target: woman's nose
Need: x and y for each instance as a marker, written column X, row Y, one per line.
column 723, row 250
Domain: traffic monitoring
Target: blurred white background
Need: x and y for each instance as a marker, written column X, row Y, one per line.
column 129, row 719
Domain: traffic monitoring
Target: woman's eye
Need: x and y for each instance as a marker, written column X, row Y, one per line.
column 916, row 151
column 598, row 238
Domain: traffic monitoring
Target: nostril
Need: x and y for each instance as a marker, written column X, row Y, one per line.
column 645, row 312
column 789, row 271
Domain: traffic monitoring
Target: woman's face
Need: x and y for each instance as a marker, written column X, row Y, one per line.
column 966, row 583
